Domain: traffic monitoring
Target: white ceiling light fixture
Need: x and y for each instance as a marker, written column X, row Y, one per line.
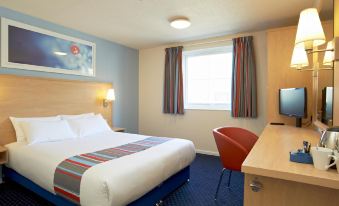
column 180, row 23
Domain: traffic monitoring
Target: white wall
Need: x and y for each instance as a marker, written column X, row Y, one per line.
column 194, row 125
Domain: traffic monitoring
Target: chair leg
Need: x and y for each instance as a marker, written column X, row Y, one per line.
column 221, row 175
column 229, row 179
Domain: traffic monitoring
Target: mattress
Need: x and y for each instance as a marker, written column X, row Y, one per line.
column 116, row 182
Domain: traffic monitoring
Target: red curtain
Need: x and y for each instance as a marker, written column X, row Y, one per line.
column 173, row 85
column 244, row 81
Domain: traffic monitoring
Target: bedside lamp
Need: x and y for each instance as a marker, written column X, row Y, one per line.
column 110, row 96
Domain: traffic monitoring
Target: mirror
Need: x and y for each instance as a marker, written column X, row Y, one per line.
column 325, row 97
column 325, row 74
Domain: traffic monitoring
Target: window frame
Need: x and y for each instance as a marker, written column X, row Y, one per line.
column 203, row 52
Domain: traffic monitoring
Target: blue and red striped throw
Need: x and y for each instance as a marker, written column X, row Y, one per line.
column 68, row 174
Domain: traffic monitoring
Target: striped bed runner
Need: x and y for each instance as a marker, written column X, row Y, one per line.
column 68, row 174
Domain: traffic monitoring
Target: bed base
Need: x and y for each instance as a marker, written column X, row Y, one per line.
column 153, row 197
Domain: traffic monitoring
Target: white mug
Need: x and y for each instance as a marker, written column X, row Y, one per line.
column 336, row 160
column 321, row 157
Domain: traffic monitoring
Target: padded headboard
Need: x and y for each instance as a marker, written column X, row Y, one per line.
column 22, row 96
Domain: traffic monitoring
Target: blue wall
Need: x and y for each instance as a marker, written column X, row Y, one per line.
column 114, row 63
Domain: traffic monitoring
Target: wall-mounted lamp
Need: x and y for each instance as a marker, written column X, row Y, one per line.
column 329, row 54
column 110, row 96
column 310, row 32
column 310, row 35
column 299, row 58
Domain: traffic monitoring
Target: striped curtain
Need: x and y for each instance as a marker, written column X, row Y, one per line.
column 244, row 80
column 173, row 87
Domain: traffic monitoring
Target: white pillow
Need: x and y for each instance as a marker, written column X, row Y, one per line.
column 77, row 116
column 89, row 126
column 16, row 122
column 47, row 131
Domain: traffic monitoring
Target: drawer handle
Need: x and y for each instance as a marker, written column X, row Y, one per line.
column 256, row 186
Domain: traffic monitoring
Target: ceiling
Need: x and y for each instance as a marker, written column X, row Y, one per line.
column 144, row 23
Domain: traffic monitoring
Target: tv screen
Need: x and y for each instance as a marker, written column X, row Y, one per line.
column 293, row 102
column 327, row 99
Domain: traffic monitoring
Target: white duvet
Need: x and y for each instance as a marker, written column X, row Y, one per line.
column 116, row 182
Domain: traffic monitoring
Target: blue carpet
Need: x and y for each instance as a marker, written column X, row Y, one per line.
column 205, row 172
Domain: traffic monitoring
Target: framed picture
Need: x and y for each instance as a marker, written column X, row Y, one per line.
column 32, row 48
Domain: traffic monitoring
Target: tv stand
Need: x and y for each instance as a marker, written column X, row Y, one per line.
column 298, row 122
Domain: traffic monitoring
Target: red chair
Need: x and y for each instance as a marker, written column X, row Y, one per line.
column 233, row 144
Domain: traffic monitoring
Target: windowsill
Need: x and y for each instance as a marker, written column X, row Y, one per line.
column 206, row 108
column 224, row 110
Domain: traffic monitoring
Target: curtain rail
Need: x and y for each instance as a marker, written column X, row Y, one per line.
column 209, row 42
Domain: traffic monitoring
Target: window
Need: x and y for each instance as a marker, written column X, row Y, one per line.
column 208, row 78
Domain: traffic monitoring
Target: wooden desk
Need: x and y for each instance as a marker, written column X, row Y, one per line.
column 284, row 182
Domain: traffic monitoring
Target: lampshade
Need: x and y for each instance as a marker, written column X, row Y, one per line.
column 329, row 55
column 299, row 57
column 310, row 31
column 110, row 96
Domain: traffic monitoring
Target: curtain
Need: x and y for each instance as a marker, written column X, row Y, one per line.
column 244, row 83
column 173, row 86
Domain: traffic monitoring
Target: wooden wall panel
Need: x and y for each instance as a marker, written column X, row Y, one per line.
column 336, row 18
column 336, row 68
column 280, row 43
column 31, row 96
column 336, row 95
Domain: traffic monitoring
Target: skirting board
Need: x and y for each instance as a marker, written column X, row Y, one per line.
column 207, row 152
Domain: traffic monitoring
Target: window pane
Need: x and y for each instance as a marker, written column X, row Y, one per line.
column 197, row 68
column 218, row 91
column 197, row 91
column 208, row 77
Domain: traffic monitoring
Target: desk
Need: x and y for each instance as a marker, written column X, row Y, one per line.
column 284, row 182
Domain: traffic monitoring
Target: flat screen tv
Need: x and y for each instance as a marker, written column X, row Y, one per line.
column 327, row 104
column 293, row 103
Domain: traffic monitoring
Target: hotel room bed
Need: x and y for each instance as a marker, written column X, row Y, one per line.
column 116, row 182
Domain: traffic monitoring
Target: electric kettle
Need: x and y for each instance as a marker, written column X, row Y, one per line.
column 330, row 138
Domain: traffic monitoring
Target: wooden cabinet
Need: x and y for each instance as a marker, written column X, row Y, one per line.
column 280, row 192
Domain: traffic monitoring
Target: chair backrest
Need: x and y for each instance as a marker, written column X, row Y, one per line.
column 233, row 144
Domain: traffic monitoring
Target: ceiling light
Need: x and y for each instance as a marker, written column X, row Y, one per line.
column 60, row 53
column 180, row 23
